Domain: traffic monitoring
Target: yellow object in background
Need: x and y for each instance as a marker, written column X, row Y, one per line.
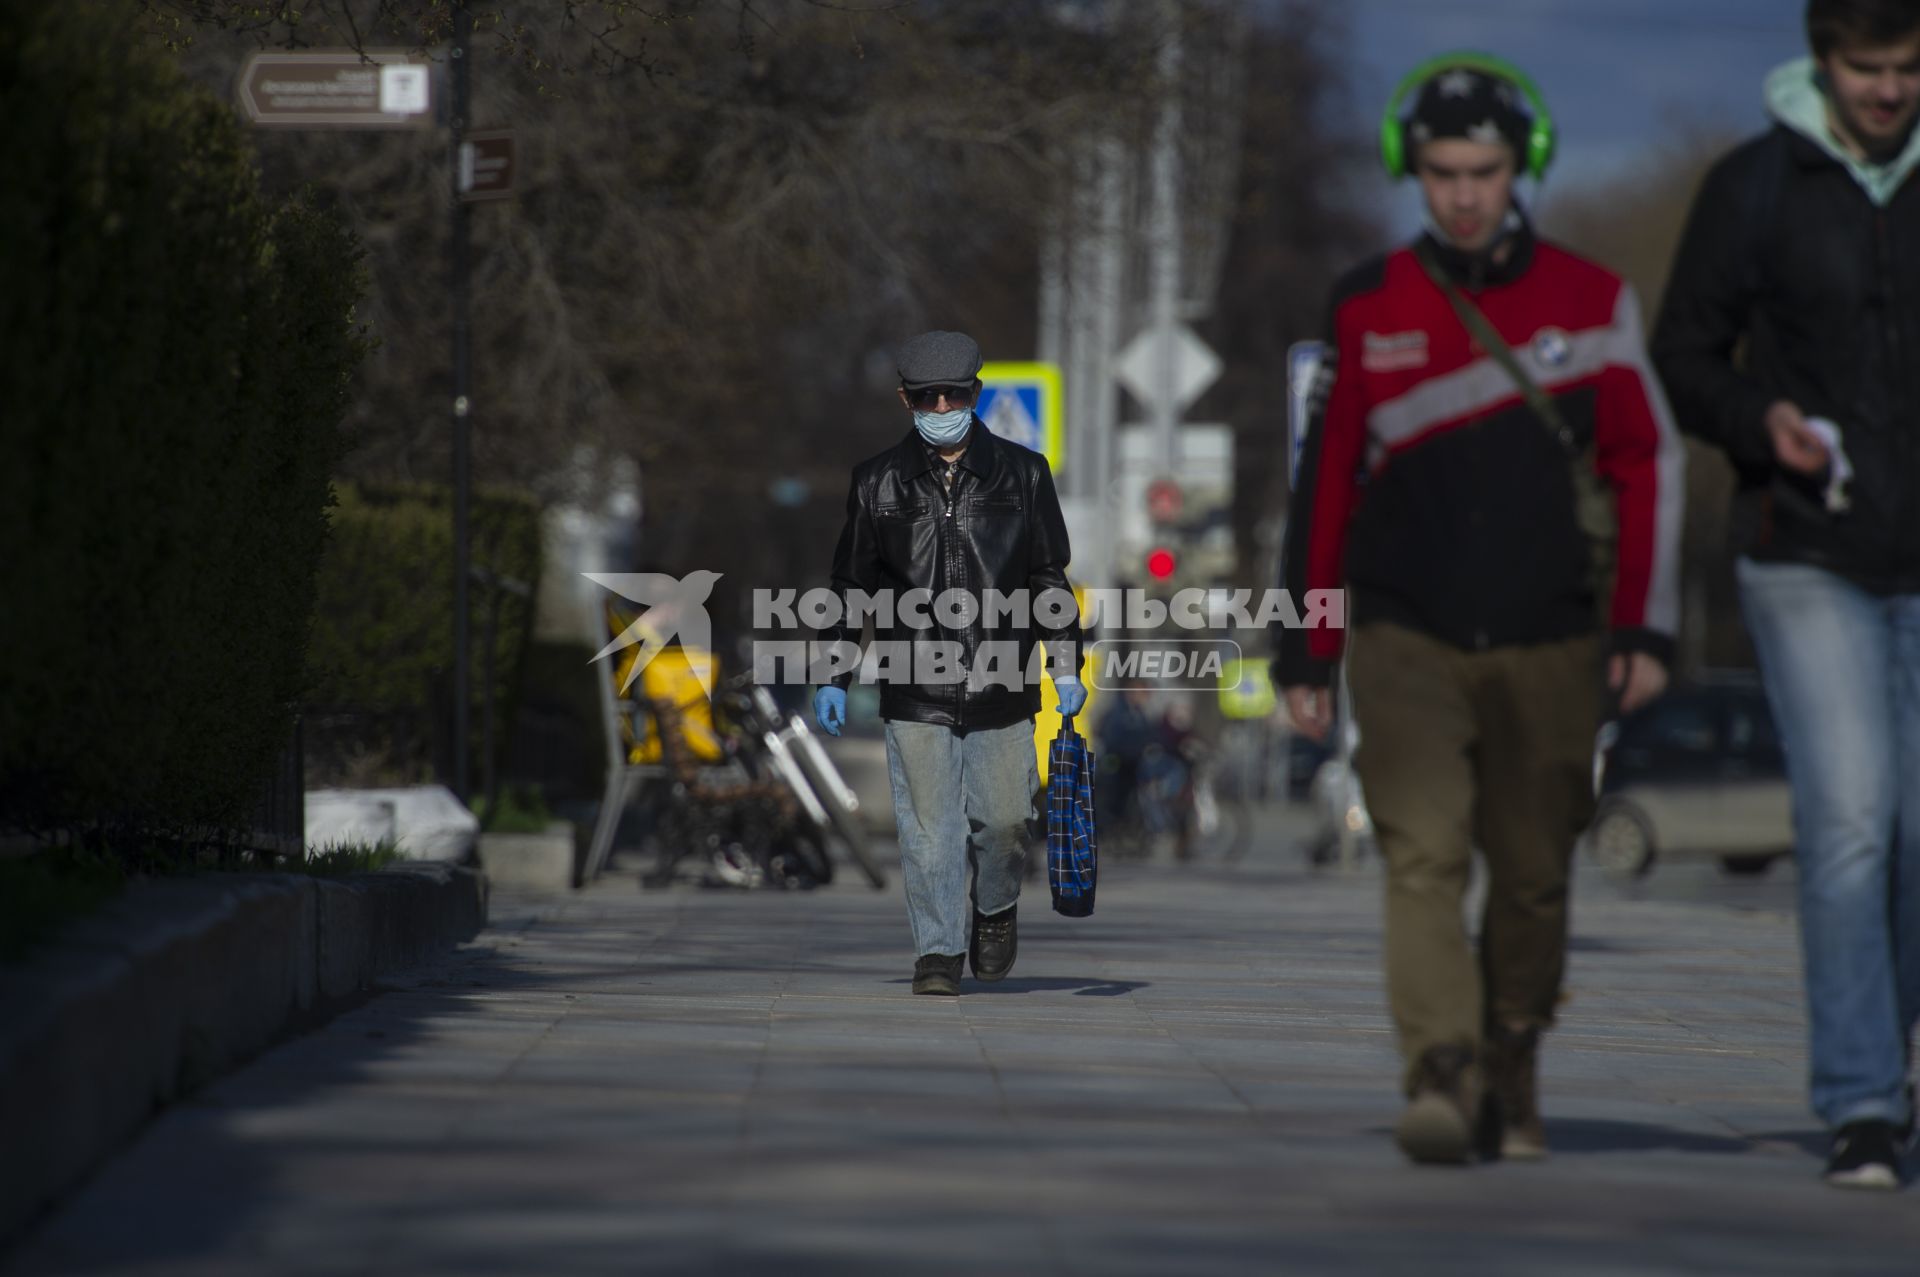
column 678, row 675
column 1046, row 724
column 1246, row 689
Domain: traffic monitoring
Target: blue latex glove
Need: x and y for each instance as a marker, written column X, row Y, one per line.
column 1073, row 696
column 830, row 709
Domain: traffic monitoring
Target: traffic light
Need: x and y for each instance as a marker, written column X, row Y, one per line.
column 1162, row 563
column 1164, row 502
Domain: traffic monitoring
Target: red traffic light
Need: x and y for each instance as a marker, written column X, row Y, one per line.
column 1164, row 500
column 1161, row 564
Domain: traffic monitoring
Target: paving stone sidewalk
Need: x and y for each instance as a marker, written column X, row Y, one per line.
column 1196, row 1081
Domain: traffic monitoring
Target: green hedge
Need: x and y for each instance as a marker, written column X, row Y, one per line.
column 177, row 364
column 383, row 638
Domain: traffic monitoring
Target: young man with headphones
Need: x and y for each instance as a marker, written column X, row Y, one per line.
column 1494, row 478
column 1804, row 248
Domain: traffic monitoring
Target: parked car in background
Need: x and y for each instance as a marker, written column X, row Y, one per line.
column 1698, row 773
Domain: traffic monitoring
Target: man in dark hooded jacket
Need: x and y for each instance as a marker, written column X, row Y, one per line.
column 1804, row 252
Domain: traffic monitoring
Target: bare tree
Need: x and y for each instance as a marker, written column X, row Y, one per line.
column 729, row 211
column 558, row 40
column 1296, row 227
column 709, row 242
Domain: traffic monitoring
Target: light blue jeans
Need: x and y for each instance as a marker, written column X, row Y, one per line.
column 1842, row 669
column 962, row 801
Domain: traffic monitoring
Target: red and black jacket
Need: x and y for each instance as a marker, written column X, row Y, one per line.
column 1431, row 491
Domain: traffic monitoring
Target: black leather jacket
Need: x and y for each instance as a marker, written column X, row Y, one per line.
column 999, row 527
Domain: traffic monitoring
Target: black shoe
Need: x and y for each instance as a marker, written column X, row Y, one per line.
column 938, row 973
column 1865, row 1155
column 1512, row 1066
column 996, row 943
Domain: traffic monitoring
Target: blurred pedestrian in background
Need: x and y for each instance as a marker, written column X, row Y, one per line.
column 1127, row 729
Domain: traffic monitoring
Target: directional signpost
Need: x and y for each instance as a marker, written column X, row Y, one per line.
column 1022, row 402
column 486, row 165
column 337, row 89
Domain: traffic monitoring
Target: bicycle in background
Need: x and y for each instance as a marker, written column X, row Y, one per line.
column 767, row 812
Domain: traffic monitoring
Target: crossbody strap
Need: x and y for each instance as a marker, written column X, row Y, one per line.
column 1482, row 330
column 1594, row 508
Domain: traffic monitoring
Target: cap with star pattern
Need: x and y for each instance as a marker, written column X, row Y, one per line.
column 1463, row 102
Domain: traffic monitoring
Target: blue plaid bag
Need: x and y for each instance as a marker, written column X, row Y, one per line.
column 1072, row 859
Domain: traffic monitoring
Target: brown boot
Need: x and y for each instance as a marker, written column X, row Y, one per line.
column 1445, row 1120
column 1513, row 1054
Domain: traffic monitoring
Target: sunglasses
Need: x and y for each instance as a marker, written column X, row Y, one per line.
column 928, row 396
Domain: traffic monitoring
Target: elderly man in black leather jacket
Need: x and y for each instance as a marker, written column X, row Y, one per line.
column 958, row 535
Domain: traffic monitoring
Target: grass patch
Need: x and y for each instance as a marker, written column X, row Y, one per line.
column 42, row 893
column 336, row 860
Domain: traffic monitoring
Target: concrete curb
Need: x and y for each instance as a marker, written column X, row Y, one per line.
column 175, row 983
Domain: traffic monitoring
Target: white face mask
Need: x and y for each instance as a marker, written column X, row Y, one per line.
column 943, row 429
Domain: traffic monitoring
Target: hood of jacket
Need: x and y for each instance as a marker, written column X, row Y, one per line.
column 1795, row 99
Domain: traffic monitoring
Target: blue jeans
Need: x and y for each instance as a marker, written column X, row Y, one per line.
column 962, row 801
column 1842, row 669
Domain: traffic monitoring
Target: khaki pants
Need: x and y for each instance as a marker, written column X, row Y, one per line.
column 1461, row 749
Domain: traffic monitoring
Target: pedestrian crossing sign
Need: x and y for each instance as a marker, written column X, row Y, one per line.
column 1246, row 690
column 1022, row 402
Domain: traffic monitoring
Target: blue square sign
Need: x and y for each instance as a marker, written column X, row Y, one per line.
column 1023, row 402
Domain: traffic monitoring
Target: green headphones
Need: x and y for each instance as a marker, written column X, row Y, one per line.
column 1393, row 130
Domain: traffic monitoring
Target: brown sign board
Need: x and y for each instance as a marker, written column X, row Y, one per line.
column 338, row 89
column 486, row 165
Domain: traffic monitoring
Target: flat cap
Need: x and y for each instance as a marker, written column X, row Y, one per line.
column 939, row 359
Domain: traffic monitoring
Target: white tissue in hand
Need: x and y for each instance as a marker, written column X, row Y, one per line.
column 1840, row 471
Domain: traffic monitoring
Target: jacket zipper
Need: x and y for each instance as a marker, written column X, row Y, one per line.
column 949, row 539
column 1895, row 367
column 1885, row 250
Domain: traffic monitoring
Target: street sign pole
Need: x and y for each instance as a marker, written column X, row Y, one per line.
column 460, row 265
column 1166, row 245
column 393, row 89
